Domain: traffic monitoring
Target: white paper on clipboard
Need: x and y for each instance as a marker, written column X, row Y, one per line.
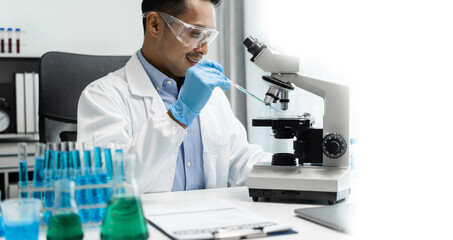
column 203, row 219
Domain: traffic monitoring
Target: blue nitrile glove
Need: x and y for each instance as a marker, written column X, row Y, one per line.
column 199, row 83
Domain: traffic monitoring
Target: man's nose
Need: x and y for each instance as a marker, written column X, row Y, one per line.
column 203, row 48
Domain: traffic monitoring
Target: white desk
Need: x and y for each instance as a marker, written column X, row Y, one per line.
column 278, row 212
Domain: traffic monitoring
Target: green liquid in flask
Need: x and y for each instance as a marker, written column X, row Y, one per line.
column 65, row 226
column 124, row 219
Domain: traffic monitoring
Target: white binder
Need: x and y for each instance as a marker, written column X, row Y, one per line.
column 29, row 103
column 36, row 100
column 20, row 103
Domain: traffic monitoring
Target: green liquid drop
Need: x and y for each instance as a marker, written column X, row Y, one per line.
column 65, row 226
column 124, row 219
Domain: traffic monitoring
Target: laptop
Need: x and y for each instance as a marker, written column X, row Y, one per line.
column 338, row 217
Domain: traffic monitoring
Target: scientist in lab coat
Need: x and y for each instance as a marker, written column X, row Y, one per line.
column 169, row 105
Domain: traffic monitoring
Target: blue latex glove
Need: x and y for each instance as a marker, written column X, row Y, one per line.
column 199, row 83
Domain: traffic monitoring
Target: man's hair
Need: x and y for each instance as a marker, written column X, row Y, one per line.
column 172, row 7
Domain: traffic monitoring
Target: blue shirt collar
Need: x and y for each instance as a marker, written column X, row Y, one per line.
column 156, row 76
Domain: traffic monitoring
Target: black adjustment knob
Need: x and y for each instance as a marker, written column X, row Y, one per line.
column 334, row 145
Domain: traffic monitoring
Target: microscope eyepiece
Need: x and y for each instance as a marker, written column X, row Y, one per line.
column 253, row 46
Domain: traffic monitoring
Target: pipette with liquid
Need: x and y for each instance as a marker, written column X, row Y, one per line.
column 237, row 86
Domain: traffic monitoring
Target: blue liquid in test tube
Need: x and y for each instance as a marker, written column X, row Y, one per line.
column 49, row 176
column 82, row 196
column 100, row 195
column 23, row 174
column 90, row 178
column 108, row 162
column 62, row 162
column 74, row 161
column 38, row 174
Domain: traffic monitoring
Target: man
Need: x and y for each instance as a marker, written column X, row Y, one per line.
column 168, row 105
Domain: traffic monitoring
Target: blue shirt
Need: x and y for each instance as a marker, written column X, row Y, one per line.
column 189, row 173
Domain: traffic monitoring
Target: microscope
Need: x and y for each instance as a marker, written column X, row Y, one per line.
column 318, row 169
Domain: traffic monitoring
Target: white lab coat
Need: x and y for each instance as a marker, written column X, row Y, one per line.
column 124, row 105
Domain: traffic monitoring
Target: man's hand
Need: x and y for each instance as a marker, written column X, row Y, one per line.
column 199, row 83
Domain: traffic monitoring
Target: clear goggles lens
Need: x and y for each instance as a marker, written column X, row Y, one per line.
column 188, row 34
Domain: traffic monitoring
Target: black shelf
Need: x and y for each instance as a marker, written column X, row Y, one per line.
column 9, row 66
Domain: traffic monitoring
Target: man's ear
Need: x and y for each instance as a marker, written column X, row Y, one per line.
column 153, row 24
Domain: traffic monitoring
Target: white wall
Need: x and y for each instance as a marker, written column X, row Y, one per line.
column 99, row 27
column 396, row 56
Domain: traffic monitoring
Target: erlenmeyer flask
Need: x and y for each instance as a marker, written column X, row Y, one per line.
column 65, row 222
column 124, row 217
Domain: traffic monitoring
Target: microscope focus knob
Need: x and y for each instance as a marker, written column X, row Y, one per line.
column 334, row 145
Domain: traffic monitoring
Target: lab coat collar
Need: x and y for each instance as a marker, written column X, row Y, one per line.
column 138, row 80
column 157, row 77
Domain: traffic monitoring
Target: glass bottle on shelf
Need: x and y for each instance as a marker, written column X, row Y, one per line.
column 2, row 40
column 17, row 40
column 10, row 40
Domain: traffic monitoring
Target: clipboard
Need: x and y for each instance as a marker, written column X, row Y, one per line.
column 213, row 219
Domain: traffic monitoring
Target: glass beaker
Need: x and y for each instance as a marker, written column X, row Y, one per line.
column 124, row 217
column 65, row 221
column 21, row 218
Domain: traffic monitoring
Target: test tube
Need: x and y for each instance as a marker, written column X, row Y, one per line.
column 38, row 174
column 49, row 176
column 83, row 196
column 18, row 40
column 10, row 40
column 23, row 174
column 2, row 40
column 74, row 160
column 87, row 148
column 62, row 161
column 97, row 157
column 91, row 179
column 108, row 159
column 102, row 194
column 119, row 146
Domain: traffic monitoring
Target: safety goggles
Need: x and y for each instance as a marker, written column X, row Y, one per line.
column 188, row 34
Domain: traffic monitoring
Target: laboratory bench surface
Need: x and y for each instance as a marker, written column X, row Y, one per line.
column 282, row 213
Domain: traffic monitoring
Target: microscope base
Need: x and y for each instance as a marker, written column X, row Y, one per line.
column 284, row 195
column 314, row 183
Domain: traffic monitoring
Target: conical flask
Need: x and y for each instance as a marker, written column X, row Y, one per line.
column 65, row 221
column 124, row 217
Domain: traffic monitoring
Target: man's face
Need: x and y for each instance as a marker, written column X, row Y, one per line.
column 176, row 57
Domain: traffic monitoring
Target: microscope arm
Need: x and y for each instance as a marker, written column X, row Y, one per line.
column 336, row 109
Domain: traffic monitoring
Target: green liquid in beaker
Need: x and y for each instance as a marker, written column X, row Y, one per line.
column 124, row 219
column 65, row 226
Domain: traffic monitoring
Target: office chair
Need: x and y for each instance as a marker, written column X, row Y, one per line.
column 62, row 78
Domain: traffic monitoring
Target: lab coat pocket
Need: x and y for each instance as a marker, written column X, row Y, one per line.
column 209, row 164
column 216, row 164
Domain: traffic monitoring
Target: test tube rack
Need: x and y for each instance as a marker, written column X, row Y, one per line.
column 30, row 189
